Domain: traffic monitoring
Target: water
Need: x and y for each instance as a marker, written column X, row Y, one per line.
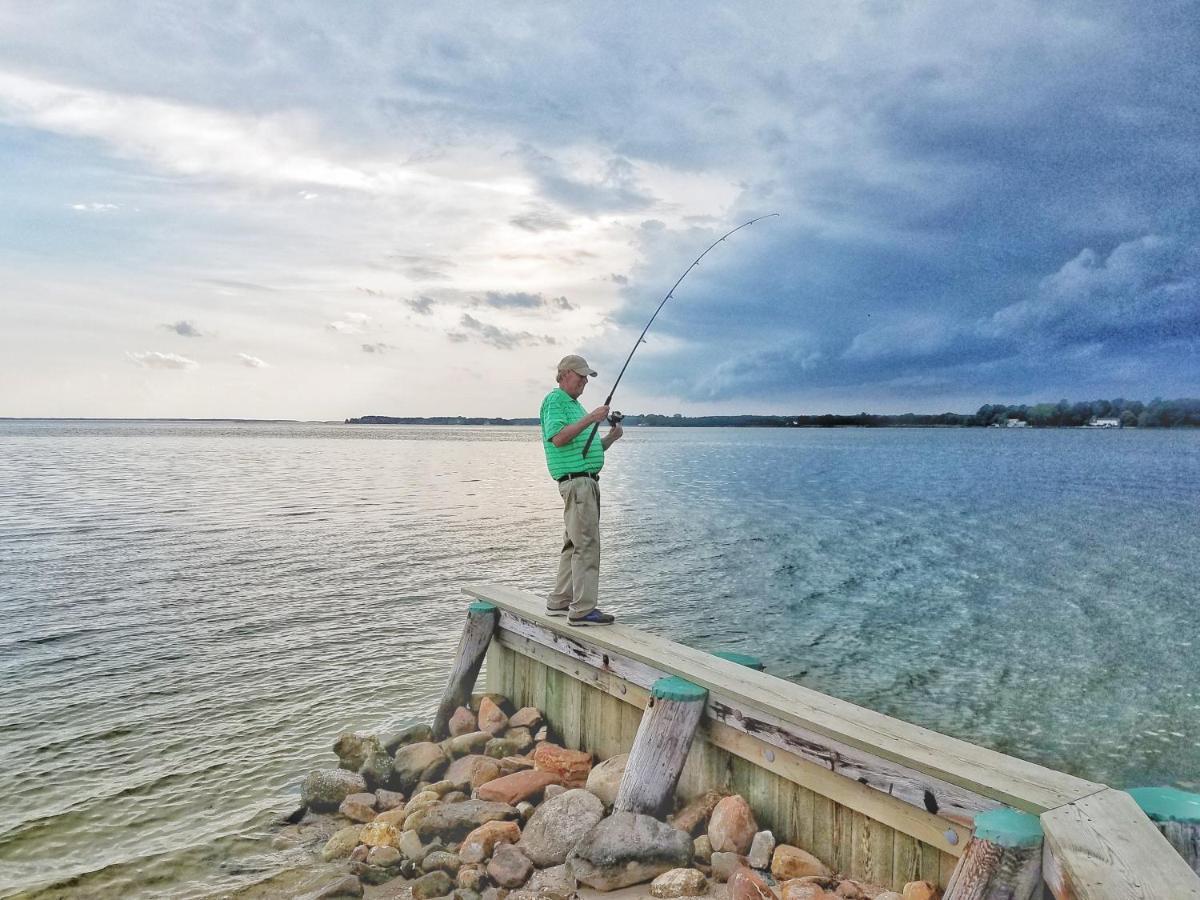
column 193, row 611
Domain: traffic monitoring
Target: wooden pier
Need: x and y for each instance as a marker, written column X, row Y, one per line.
column 878, row 799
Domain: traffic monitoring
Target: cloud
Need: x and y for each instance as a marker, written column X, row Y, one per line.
column 421, row 268
column 562, row 303
column 350, row 323
column 513, row 300
column 94, row 207
column 493, row 335
column 421, row 305
column 620, row 279
column 379, row 347
column 184, row 329
column 613, row 188
column 252, row 362
column 152, row 359
column 539, row 219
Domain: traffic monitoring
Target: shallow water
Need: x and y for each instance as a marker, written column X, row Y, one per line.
column 193, row 611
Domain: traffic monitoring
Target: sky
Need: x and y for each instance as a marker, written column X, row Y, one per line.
column 314, row 210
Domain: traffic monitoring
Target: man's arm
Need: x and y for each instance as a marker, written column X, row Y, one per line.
column 614, row 435
column 568, row 433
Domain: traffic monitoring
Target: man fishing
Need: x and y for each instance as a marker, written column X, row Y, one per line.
column 576, row 467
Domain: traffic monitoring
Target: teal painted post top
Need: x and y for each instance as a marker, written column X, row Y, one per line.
column 676, row 688
column 742, row 659
column 481, row 606
column 1167, row 804
column 1008, row 828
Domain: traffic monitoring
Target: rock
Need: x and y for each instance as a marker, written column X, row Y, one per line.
column 512, row 789
column 480, row 843
column 358, row 807
column 442, row 788
column 553, row 790
column 679, row 883
column 380, row 834
column 471, row 878
column 492, row 718
column 388, row 857
column 410, row 845
column 346, row 886
column 500, row 747
column 731, row 828
column 571, row 766
column 702, row 849
column 889, row 895
column 369, row 874
column 510, row 764
column 469, row 772
column 421, row 799
column 694, row 815
column 724, row 864
column 455, row 797
column 360, row 853
column 410, row 734
column 468, row 744
column 385, row 800
column 395, row 817
column 605, row 779
column 498, row 699
column 920, row 890
column 850, row 890
column 555, row 883
column 352, row 748
column 542, row 734
column 625, row 849
column 526, row 717
column 342, row 843
column 800, row 889
column 462, row 722
column 325, row 789
column 435, row 884
column 558, row 825
column 792, row 862
column 413, row 763
column 526, row 809
column 464, row 894
column 509, row 867
column 454, row 821
column 520, row 738
column 494, row 893
column 745, row 885
column 376, row 770
column 441, row 861
column 761, row 848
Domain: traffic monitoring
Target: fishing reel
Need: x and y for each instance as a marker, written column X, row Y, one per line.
column 615, row 417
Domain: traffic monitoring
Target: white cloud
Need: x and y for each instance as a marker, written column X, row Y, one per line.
column 351, row 323
column 252, row 362
column 94, row 207
column 152, row 359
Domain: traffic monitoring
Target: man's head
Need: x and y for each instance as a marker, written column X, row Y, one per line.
column 573, row 374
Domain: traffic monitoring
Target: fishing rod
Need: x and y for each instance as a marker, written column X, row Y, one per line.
column 616, row 417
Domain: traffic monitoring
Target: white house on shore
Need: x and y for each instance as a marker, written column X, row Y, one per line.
column 1097, row 422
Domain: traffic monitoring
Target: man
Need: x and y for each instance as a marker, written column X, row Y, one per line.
column 565, row 429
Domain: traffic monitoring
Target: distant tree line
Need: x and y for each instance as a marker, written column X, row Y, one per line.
column 1184, row 413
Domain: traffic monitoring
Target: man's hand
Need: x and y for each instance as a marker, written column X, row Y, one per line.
column 614, row 434
column 597, row 415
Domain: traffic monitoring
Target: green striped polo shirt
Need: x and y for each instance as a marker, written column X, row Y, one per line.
column 558, row 409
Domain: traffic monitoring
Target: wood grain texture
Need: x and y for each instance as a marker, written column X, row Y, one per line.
column 468, row 660
column 1185, row 838
column 658, row 755
column 989, row 871
column 976, row 770
column 1105, row 848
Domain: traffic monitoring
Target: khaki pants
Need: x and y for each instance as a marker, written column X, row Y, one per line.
column 578, row 582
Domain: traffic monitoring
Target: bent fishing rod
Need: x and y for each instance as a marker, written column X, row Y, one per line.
column 608, row 400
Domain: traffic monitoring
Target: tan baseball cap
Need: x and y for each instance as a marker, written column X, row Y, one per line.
column 577, row 364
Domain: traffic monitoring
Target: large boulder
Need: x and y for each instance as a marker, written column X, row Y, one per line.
column 732, row 827
column 451, row 822
column 466, row 744
column 517, row 787
column 572, row 766
column 628, row 848
column 605, row 779
column 353, row 747
column 558, row 825
column 415, row 763
column 473, row 771
column 407, row 734
column 325, row 789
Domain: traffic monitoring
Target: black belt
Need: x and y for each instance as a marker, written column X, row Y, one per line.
column 595, row 476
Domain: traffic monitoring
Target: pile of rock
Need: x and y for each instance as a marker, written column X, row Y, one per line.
column 498, row 811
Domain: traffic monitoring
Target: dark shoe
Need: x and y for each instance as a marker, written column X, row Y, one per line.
column 595, row 617
column 551, row 611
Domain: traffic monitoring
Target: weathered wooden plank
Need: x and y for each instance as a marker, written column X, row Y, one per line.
column 476, row 635
column 930, row 867
column 859, row 846
column 880, row 846
column 843, row 840
column 906, row 860
column 803, row 802
column 661, row 747
column 1104, row 848
column 919, row 790
column 824, row 823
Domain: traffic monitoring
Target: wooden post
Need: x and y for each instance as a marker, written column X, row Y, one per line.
column 742, row 659
column 661, row 746
column 1176, row 814
column 476, row 635
column 1003, row 860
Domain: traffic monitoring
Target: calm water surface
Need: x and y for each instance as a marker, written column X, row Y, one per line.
column 191, row 612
